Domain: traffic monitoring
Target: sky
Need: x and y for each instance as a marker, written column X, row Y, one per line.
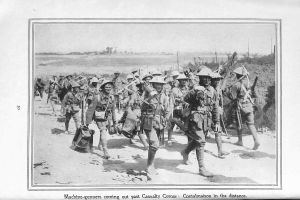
column 154, row 37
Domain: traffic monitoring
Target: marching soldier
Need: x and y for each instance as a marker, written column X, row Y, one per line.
column 39, row 87
column 117, row 86
column 153, row 118
column 174, row 76
column 53, row 93
column 147, row 78
column 102, row 111
column 177, row 96
column 241, row 93
column 215, row 80
column 92, row 90
column 72, row 104
column 202, row 103
column 133, row 112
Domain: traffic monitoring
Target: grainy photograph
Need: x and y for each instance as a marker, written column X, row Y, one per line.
column 154, row 102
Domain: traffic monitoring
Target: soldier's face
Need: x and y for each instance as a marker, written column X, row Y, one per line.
column 204, row 80
column 107, row 88
column 158, row 86
column 182, row 82
column 215, row 82
column 147, row 79
column 117, row 75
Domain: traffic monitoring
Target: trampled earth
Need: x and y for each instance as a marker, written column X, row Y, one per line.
column 54, row 162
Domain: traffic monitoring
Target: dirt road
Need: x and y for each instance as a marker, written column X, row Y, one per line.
column 55, row 163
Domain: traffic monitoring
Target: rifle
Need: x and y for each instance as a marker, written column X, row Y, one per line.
column 231, row 61
column 254, row 84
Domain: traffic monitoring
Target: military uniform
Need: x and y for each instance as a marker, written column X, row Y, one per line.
column 102, row 111
column 177, row 100
column 118, row 84
column 133, row 112
column 39, row 87
column 204, row 110
column 53, row 94
column 241, row 94
column 72, row 104
column 153, row 120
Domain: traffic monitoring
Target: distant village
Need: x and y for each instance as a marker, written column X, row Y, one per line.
column 106, row 51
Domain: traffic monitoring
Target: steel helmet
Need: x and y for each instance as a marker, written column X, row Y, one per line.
column 241, row 70
column 146, row 76
column 182, row 77
column 94, row 80
column 158, row 79
column 130, row 76
column 157, row 73
column 205, row 71
column 106, row 82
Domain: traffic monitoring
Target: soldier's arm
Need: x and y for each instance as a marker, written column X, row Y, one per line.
column 114, row 110
column 215, row 109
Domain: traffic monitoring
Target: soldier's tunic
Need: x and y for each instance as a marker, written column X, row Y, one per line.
column 53, row 91
column 102, row 110
column 153, row 117
column 178, row 94
column 203, row 109
column 241, row 93
column 39, row 86
column 72, row 104
column 117, row 86
column 133, row 110
column 90, row 93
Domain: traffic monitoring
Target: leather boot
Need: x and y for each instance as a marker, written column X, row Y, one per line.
column 103, row 142
column 144, row 141
column 200, row 159
column 221, row 153
column 185, row 153
column 255, row 136
column 240, row 138
column 150, row 162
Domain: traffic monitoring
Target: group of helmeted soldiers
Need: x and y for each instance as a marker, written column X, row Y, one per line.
column 151, row 103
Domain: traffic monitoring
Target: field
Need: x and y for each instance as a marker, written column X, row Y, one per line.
column 46, row 65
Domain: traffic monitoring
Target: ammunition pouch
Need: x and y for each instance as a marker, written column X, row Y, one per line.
column 147, row 122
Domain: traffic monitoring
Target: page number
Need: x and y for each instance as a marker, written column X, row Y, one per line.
column 18, row 107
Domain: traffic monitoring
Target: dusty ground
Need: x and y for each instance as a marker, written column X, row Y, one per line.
column 55, row 163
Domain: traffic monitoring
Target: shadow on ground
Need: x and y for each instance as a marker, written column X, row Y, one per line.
column 56, row 131
column 121, row 143
column 140, row 165
column 253, row 154
column 226, row 179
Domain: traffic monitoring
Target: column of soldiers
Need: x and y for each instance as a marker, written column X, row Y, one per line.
column 152, row 104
